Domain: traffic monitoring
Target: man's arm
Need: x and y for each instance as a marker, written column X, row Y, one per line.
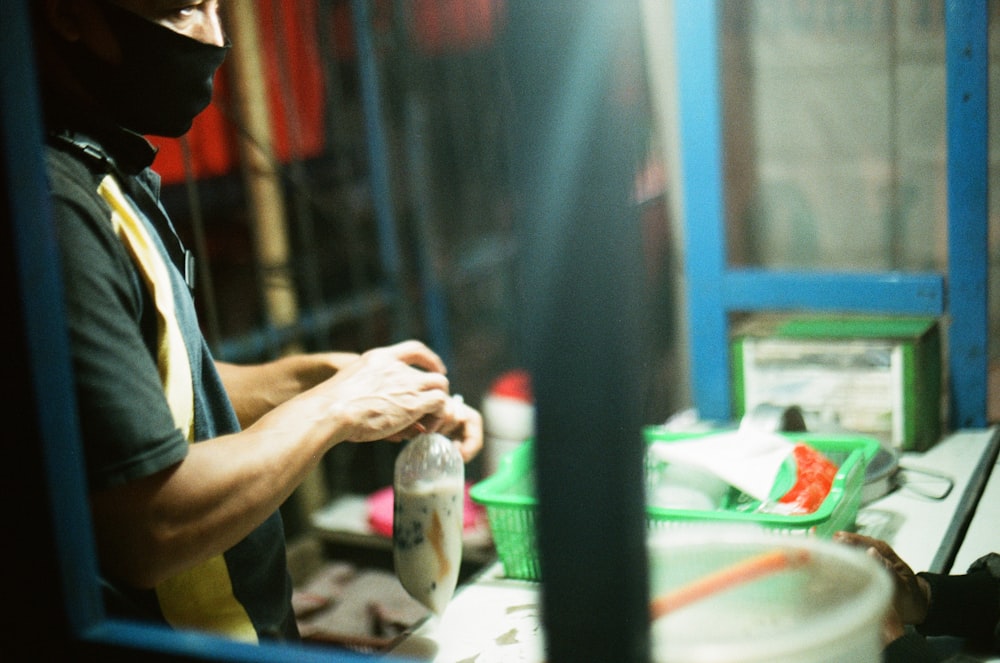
column 255, row 390
column 153, row 528
column 965, row 606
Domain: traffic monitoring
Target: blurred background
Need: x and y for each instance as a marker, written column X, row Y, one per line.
column 351, row 185
column 376, row 170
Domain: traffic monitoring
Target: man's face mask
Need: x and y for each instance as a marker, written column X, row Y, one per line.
column 163, row 82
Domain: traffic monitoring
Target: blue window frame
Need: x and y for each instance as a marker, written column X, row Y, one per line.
column 714, row 289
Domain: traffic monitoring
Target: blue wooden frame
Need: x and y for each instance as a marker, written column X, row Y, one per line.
column 63, row 511
column 714, row 289
column 967, row 56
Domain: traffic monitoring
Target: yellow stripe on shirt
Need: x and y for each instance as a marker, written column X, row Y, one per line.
column 172, row 359
column 201, row 597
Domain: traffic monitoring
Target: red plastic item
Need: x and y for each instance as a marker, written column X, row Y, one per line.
column 813, row 479
column 380, row 509
column 514, row 384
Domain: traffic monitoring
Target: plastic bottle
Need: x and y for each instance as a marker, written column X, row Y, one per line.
column 428, row 501
column 508, row 416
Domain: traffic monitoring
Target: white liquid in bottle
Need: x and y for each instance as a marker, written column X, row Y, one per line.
column 427, row 519
column 427, row 535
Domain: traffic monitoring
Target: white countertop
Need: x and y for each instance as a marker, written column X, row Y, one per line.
column 926, row 532
column 493, row 620
column 496, row 620
column 983, row 535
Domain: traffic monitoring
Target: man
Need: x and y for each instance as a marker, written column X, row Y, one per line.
column 187, row 460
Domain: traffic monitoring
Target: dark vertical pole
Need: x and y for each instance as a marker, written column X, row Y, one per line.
column 579, row 130
column 379, row 170
column 54, row 568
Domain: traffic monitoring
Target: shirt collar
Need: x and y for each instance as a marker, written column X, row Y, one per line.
column 130, row 152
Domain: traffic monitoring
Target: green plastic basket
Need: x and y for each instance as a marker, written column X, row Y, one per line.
column 509, row 499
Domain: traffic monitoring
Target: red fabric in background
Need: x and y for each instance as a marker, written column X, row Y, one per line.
column 295, row 63
column 441, row 26
column 294, row 58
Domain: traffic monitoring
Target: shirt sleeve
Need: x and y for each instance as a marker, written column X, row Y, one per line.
column 966, row 606
column 125, row 421
column 911, row 648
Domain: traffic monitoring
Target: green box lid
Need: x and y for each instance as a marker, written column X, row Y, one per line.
column 834, row 326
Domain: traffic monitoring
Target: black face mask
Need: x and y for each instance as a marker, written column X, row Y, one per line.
column 163, row 81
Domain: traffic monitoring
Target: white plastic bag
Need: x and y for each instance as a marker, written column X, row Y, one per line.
column 748, row 460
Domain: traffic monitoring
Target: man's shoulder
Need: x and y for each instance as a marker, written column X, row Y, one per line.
column 71, row 170
column 80, row 215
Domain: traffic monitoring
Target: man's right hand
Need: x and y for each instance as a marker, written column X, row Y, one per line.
column 911, row 598
column 387, row 391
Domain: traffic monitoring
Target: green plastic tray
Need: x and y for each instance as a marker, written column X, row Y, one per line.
column 509, row 498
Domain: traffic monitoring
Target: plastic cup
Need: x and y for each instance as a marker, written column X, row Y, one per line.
column 828, row 609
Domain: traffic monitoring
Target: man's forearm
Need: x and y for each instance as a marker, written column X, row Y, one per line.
column 254, row 390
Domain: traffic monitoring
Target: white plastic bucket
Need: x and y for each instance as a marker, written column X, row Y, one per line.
column 828, row 609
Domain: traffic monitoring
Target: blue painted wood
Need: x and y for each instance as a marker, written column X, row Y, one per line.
column 38, row 291
column 380, row 180
column 435, row 308
column 967, row 105
column 703, row 187
column 714, row 290
column 891, row 292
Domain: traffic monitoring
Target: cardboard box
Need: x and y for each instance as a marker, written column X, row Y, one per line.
column 877, row 375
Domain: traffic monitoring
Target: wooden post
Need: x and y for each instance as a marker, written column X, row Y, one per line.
column 266, row 197
column 267, row 206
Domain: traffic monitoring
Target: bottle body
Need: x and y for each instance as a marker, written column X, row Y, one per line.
column 428, row 502
column 508, row 417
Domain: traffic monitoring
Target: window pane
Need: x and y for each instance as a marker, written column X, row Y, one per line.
column 835, row 134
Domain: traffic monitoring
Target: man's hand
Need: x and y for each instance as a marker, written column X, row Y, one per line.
column 400, row 391
column 459, row 422
column 912, row 593
column 386, row 391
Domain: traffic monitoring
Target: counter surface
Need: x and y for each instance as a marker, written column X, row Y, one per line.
column 495, row 619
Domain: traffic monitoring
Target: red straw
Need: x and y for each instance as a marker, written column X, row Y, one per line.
column 727, row 578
